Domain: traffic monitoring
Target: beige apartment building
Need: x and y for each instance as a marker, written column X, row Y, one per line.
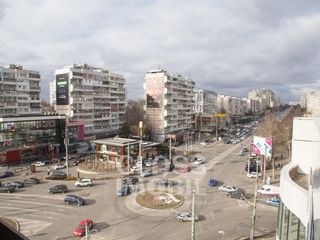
column 19, row 91
column 169, row 103
column 94, row 96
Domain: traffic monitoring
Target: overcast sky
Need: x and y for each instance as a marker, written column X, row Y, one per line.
column 229, row 46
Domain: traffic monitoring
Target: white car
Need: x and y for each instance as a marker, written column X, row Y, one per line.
column 227, row 188
column 86, row 182
column 136, row 168
column 269, row 190
column 253, row 175
column 60, row 166
column 199, row 162
column 151, row 163
column 39, row 164
column 203, row 143
column 186, row 216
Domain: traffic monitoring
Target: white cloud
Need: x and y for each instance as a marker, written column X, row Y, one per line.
column 227, row 46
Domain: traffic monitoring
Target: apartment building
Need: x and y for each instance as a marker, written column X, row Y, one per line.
column 94, row 96
column 53, row 93
column 311, row 102
column 266, row 97
column 169, row 103
column 205, row 106
column 19, row 91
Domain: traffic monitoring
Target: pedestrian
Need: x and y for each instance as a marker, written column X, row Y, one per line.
column 48, row 171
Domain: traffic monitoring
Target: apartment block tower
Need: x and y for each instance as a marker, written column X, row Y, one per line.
column 92, row 95
column 19, row 91
column 169, row 103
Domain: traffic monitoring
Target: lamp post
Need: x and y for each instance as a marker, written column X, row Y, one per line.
column 140, row 144
column 66, row 146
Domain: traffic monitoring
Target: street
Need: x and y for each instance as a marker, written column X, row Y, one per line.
column 45, row 216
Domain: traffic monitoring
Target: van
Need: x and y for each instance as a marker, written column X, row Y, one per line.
column 269, row 190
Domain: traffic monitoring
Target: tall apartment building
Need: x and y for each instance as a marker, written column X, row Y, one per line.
column 169, row 103
column 19, row 91
column 53, row 93
column 266, row 97
column 311, row 102
column 92, row 95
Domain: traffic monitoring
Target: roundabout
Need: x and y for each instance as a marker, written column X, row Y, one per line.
column 158, row 200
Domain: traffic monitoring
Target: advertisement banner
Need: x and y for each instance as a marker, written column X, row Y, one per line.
column 62, row 91
column 262, row 146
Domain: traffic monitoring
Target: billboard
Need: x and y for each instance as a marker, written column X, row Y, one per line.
column 262, row 146
column 62, row 90
column 154, row 91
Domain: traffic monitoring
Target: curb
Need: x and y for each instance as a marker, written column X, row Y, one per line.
column 17, row 227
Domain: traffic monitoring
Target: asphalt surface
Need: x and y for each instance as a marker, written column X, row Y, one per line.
column 45, row 216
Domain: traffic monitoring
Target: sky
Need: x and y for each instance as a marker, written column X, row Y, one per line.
column 223, row 45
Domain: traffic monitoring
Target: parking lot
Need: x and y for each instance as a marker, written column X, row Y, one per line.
column 46, row 216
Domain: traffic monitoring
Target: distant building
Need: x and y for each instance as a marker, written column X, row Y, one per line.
column 205, row 106
column 266, row 98
column 299, row 209
column 311, row 102
column 169, row 103
column 53, row 93
column 95, row 96
column 19, row 91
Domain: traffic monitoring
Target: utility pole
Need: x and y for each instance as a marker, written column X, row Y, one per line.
column 170, row 150
column 128, row 157
column 140, row 145
column 86, row 229
column 253, row 218
column 217, row 125
column 193, row 227
column 66, row 145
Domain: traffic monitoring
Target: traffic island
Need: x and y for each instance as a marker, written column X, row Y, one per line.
column 11, row 222
column 159, row 200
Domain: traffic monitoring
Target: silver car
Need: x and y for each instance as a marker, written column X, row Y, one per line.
column 186, row 216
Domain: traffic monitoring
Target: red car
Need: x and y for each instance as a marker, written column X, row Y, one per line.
column 80, row 231
column 184, row 169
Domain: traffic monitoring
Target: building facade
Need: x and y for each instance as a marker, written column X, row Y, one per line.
column 311, row 103
column 19, row 91
column 168, row 103
column 299, row 209
column 53, row 93
column 32, row 138
column 266, row 98
column 92, row 95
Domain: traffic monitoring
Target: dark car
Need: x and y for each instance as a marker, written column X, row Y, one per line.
column 32, row 180
column 124, row 191
column 130, row 180
column 166, row 182
column 58, row 189
column 212, row 182
column 57, row 175
column 6, row 174
column 79, row 160
column 16, row 184
column 73, row 199
column 237, row 194
column 7, row 189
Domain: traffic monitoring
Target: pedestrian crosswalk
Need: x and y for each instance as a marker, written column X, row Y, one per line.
column 33, row 212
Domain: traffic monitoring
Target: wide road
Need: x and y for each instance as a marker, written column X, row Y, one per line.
column 44, row 216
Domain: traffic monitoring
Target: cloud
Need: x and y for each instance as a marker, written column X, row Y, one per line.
column 226, row 46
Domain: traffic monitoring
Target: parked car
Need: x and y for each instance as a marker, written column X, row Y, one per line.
column 39, row 164
column 245, row 150
column 58, row 189
column 166, row 182
column 16, row 184
column 80, row 231
column 186, row 216
column 237, row 194
column 32, row 180
column 199, row 161
column 73, row 199
column 130, row 180
column 151, row 163
column 275, row 201
column 253, row 174
column 79, row 160
column 7, row 189
column 212, row 182
column 146, row 173
column 227, row 188
column 184, row 169
column 57, row 175
column 124, row 191
column 60, row 166
column 136, row 168
column 85, row 182
column 6, row 174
